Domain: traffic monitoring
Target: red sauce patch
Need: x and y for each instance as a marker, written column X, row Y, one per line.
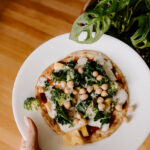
column 43, row 97
column 92, row 129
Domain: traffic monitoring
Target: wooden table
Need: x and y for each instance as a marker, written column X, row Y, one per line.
column 24, row 25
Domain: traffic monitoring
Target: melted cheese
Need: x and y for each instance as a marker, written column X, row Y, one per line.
column 53, row 112
column 81, row 61
column 121, row 96
column 93, row 123
column 99, row 60
column 59, row 66
column 105, row 127
column 108, row 69
column 51, row 107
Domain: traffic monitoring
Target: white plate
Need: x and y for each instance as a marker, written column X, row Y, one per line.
column 128, row 136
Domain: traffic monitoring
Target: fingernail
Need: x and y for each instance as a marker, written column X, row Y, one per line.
column 26, row 121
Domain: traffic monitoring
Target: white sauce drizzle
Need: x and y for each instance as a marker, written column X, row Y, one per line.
column 108, row 69
column 99, row 60
column 93, row 123
column 121, row 96
column 41, row 82
column 81, row 61
column 105, row 127
column 67, row 127
column 52, row 113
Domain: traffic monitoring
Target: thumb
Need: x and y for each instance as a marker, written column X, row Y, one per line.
column 32, row 134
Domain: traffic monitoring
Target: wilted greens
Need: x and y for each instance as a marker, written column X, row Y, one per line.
column 129, row 19
column 62, row 116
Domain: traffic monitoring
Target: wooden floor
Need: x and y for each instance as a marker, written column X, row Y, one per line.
column 24, row 25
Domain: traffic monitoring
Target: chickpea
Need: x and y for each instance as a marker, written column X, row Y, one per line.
column 67, row 104
column 118, row 107
column 104, row 94
column 108, row 101
column 76, row 67
column 78, row 88
column 83, row 96
column 101, row 106
column 67, row 90
column 90, row 89
column 95, row 86
column 70, row 84
column 83, row 122
column 99, row 78
column 75, row 121
column 74, row 100
column 104, row 86
column 100, row 100
column 71, row 113
column 80, row 70
column 95, row 74
column 131, row 109
column 126, row 119
column 82, row 91
column 74, row 92
column 98, row 91
column 63, row 84
column 78, row 115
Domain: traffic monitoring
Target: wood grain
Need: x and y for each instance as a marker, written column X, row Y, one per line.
column 24, row 25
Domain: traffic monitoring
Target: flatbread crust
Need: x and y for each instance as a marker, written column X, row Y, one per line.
column 117, row 115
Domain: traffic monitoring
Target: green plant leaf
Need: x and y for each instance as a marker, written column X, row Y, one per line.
column 89, row 22
column 141, row 38
column 106, row 7
column 147, row 4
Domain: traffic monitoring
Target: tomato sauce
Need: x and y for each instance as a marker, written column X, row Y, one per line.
column 43, row 97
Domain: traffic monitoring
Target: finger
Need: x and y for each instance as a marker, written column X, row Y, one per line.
column 23, row 144
column 32, row 135
column 30, row 125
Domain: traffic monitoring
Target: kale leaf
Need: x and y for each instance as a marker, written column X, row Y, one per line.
column 62, row 116
column 71, row 64
column 46, row 83
column 98, row 115
column 91, row 66
column 105, row 118
column 59, row 76
column 112, row 89
column 79, row 80
column 57, row 95
column 83, row 105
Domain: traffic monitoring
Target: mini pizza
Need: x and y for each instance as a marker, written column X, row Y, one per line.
column 84, row 97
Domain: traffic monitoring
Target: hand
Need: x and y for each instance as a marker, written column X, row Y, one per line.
column 31, row 143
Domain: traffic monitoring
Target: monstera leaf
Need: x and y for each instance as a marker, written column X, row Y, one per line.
column 141, row 38
column 91, row 23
